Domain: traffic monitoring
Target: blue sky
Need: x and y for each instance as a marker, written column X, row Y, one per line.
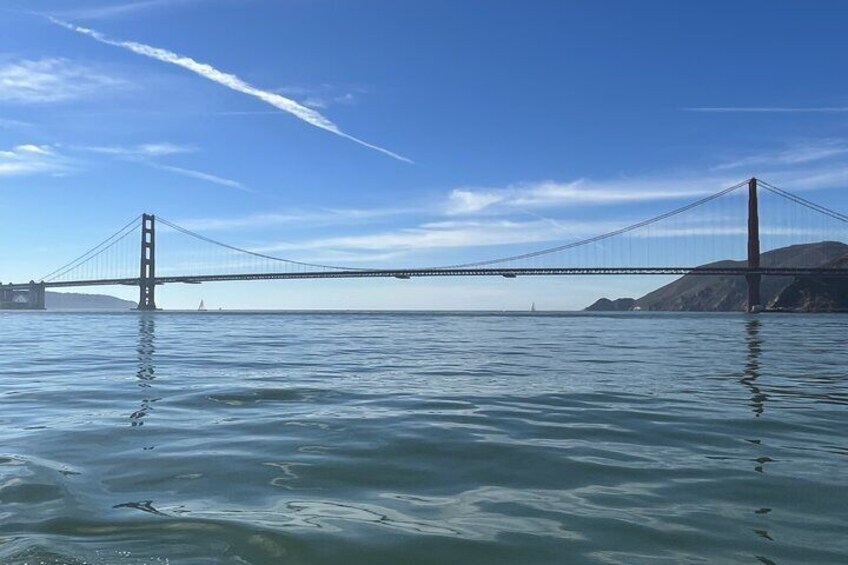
column 403, row 133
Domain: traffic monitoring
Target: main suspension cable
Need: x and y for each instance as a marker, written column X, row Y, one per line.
column 248, row 252
column 94, row 251
column 804, row 202
column 601, row 237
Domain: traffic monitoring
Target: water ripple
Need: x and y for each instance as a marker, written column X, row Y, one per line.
column 422, row 438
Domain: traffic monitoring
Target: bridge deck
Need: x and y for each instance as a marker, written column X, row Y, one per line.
column 458, row 272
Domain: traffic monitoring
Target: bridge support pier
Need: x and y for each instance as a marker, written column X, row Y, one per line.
column 753, row 279
column 147, row 277
column 32, row 297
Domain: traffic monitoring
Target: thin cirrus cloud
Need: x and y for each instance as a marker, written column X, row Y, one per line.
column 295, row 218
column 496, row 233
column 147, row 153
column 125, row 9
column 23, row 160
column 488, row 217
column 30, row 159
column 770, row 109
column 232, row 82
column 200, row 175
column 826, row 176
column 447, row 234
column 143, row 150
column 52, row 80
column 323, row 96
column 796, row 154
column 810, row 165
column 542, row 194
column 7, row 123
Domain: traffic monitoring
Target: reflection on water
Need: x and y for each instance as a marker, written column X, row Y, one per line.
column 752, row 368
column 146, row 372
column 423, row 439
column 146, row 348
column 754, row 345
column 144, row 506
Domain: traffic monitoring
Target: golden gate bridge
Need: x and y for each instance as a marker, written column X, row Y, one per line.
column 695, row 239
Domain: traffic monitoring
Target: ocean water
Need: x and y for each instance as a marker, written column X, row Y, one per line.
column 388, row 438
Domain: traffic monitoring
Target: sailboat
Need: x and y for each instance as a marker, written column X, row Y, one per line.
column 202, row 307
column 533, row 307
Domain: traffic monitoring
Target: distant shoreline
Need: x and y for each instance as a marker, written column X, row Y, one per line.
column 364, row 312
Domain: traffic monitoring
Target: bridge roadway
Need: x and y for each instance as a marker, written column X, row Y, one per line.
column 455, row 272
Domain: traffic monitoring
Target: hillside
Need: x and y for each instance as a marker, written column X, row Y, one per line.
column 809, row 294
column 607, row 305
column 700, row 293
column 77, row 301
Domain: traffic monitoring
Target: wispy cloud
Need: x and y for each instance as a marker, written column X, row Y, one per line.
column 449, row 234
column 323, row 96
column 549, row 193
column 469, row 201
column 741, row 231
column 232, row 82
column 800, row 153
column 770, row 109
column 296, row 218
column 52, row 80
column 822, row 177
column 495, row 232
column 500, row 216
column 327, row 101
column 808, row 165
column 344, row 258
column 199, row 175
column 6, row 123
column 120, row 10
column 143, row 150
column 435, row 238
column 33, row 160
column 147, row 153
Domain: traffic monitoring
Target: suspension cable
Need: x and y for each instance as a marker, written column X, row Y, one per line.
column 130, row 228
column 253, row 253
column 804, row 202
column 604, row 236
column 94, row 251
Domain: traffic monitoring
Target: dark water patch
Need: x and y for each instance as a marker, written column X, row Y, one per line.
column 156, row 539
column 16, row 491
column 274, row 395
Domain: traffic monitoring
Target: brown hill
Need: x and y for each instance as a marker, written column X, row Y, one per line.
column 816, row 294
column 607, row 305
column 77, row 301
column 702, row 293
column 699, row 293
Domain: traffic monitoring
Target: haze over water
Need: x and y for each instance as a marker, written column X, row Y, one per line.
column 384, row 438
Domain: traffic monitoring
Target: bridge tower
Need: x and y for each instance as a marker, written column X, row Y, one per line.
column 147, row 277
column 753, row 279
column 36, row 296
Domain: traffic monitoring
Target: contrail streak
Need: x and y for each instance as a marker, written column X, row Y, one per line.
column 199, row 175
column 231, row 81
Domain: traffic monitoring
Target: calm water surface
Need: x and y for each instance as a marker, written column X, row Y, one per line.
column 422, row 438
